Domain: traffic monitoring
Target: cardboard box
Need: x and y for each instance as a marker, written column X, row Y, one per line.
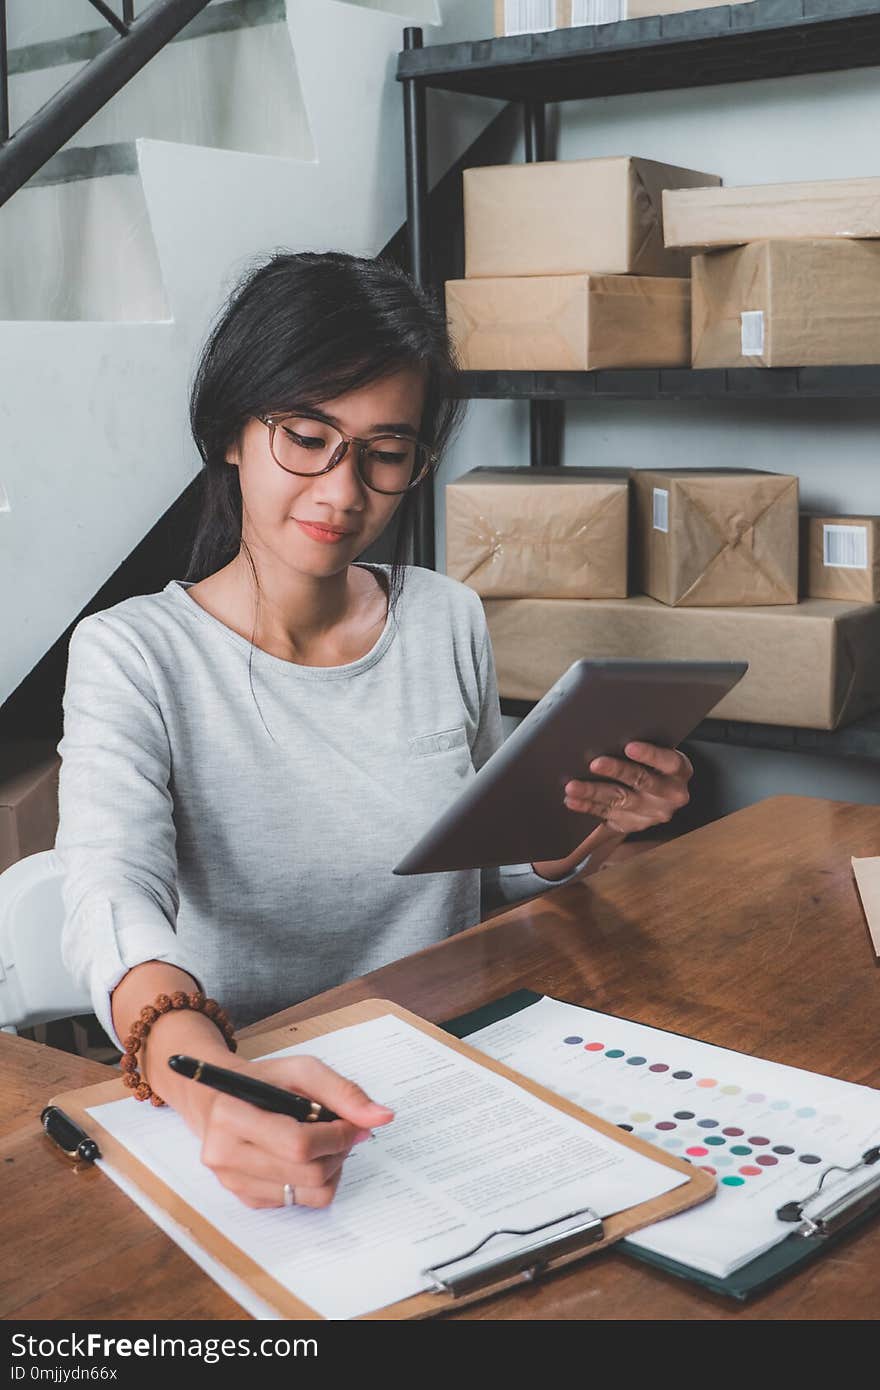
column 815, row 665
column 566, row 217
column 709, row 537
column 787, row 304
column 569, row 322
column 843, row 557
column 28, row 799
column 530, row 16
column 539, row 533
column 642, row 9
column 712, row 217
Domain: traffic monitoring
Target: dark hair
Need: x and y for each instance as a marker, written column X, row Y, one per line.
column 297, row 330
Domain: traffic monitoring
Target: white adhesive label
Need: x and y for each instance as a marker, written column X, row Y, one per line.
column 661, row 509
column 4, row 500
column 845, row 547
column 529, row 16
column 598, row 11
column 752, row 332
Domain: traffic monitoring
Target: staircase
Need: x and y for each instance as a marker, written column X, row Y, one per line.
column 263, row 124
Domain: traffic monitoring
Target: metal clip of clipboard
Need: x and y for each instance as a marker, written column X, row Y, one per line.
column 840, row 1211
column 466, row 1273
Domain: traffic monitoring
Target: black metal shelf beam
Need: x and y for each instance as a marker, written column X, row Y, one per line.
column 674, row 384
column 730, row 43
column 858, row 740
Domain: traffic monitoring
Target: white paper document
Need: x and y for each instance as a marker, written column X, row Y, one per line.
column 764, row 1130
column 468, row 1153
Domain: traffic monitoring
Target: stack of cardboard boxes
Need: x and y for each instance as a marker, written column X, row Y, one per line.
column 710, row 557
column 566, row 268
column 787, row 275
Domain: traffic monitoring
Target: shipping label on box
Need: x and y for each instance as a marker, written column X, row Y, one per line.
column 707, row 537
column 714, row 217
column 569, row 322
column 787, row 304
column 530, row 16
column 539, row 533
column 813, row 665
column 561, row 217
column 646, row 9
column 843, row 557
column 533, row 16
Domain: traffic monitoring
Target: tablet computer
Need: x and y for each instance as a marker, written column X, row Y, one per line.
column 512, row 811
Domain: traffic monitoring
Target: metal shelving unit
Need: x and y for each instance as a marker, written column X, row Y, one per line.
column 730, row 43
column 677, row 384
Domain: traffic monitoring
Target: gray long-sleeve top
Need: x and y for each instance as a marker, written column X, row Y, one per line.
column 243, row 825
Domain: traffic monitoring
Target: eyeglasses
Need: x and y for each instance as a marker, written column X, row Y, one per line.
column 387, row 463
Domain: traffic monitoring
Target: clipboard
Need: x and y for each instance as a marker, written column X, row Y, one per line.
column 541, row 1251
column 809, row 1238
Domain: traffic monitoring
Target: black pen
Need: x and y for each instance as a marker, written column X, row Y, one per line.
column 68, row 1135
column 259, row 1093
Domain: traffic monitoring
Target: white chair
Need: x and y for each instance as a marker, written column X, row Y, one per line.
column 34, row 984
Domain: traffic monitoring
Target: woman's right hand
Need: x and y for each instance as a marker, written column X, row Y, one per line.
column 254, row 1153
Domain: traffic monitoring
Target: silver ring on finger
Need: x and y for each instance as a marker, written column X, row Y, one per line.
column 289, row 1195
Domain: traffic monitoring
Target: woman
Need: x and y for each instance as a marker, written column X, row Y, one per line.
column 247, row 753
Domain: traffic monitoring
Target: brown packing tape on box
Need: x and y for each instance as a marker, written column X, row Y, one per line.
column 853, row 542
column 527, row 17
column 813, row 665
column 806, row 304
column 539, row 533
column 28, row 799
column 566, row 217
column 569, row 322
column 713, row 217
column 731, row 537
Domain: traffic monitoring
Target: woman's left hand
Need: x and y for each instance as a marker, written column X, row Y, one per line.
column 655, row 787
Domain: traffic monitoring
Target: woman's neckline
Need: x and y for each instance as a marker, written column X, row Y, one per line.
column 177, row 588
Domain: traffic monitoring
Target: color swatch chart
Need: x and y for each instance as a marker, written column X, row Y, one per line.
column 763, row 1130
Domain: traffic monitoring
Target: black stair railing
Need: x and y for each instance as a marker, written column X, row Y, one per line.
column 139, row 39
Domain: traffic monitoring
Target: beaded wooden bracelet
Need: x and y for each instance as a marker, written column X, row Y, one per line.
column 141, row 1027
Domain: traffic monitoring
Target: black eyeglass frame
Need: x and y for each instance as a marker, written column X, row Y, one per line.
column 272, row 421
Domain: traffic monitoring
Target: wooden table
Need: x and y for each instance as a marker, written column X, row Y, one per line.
column 747, row 933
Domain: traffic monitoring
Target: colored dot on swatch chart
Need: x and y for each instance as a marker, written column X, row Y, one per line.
column 573, row 1040
column 594, row 1047
column 615, row 1052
